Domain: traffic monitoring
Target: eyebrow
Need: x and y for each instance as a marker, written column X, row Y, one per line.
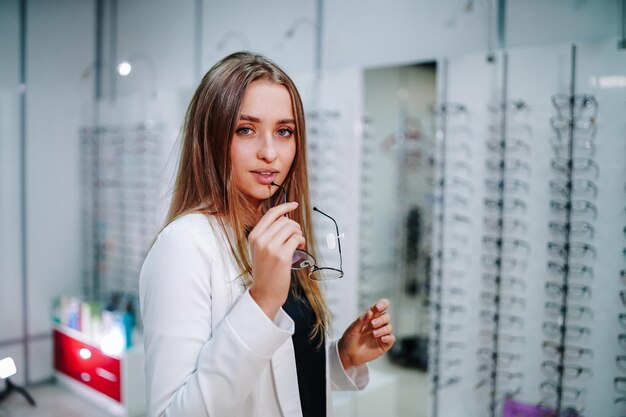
column 257, row 120
column 249, row 118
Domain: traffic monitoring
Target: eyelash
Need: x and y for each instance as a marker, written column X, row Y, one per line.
column 289, row 132
column 240, row 130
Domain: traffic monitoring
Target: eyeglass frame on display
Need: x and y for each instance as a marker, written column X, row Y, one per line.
column 507, row 262
column 564, row 165
column 576, row 249
column 505, row 204
column 571, row 372
column 574, row 393
column 487, row 355
column 562, row 147
column 554, row 309
column 489, row 298
column 506, row 243
column 510, row 164
column 512, row 144
column 505, row 223
column 554, row 349
column 577, row 207
column 553, row 329
column 573, row 228
column 508, row 185
column 577, row 186
column 578, row 100
column 504, row 280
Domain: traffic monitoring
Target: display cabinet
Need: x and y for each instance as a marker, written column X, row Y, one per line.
column 114, row 382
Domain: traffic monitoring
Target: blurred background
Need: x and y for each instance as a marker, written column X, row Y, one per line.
column 471, row 151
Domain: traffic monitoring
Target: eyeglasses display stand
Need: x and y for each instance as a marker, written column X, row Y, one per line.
column 562, row 390
column 543, row 291
column 121, row 167
column 451, row 196
column 503, row 241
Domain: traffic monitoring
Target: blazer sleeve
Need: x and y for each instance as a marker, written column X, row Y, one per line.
column 352, row 379
column 192, row 369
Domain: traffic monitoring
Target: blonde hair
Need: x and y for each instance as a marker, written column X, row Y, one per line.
column 204, row 181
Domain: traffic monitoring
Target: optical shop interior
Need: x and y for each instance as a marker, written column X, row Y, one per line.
column 471, row 152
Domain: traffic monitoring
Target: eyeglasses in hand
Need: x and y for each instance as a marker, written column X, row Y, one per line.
column 304, row 260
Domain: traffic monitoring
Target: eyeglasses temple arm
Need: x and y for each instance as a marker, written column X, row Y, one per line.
column 338, row 238
column 281, row 189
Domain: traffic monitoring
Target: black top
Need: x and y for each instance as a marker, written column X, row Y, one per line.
column 310, row 356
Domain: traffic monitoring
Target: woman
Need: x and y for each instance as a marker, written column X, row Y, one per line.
column 230, row 329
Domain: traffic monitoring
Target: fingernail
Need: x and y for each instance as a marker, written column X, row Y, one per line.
column 375, row 322
column 294, row 204
column 380, row 305
column 376, row 333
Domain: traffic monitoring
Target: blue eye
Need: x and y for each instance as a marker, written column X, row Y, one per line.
column 285, row 132
column 244, row 131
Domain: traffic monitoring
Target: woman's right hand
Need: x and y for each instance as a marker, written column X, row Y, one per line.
column 272, row 243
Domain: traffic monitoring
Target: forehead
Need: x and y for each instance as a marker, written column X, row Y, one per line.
column 264, row 99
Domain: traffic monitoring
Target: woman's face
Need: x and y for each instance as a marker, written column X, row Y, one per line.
column 264, row 141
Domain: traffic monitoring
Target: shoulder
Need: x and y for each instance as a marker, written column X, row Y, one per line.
column 192, row 229
column 175, row 278
column 186, row 247
column 188, row 225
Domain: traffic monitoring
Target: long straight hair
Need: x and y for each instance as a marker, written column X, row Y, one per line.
column 204, row 180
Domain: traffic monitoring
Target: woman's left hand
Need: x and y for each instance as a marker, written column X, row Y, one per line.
column 368, row 337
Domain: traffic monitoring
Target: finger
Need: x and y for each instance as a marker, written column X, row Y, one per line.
column 388, row 340
column 383, row 331
column 271, row 216
column 279, row 225
column 380, row 320
column 367, row 316
column 376, row 310
column 364, row 320
column 293, row 243
column 381, row 306
column 266, row 237
column 278, row 235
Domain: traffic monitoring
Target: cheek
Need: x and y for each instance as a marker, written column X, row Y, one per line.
column 237, row 160
column 290, row 152
column 238, row 157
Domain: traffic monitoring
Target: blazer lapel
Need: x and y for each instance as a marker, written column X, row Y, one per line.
column 286, row 380
column 283, row 362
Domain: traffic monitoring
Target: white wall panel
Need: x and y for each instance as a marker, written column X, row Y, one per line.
column 60, row 48
column 373, row 33
column 40, row 360
column 260, row 27
column 160, row 34
column 537, row 22
column 10, row 165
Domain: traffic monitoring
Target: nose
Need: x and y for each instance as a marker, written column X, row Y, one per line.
column 267, row 150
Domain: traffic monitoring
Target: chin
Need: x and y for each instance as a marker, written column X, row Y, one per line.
column 258, row 196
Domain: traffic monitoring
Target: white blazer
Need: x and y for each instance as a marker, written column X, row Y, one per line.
column 210, row 349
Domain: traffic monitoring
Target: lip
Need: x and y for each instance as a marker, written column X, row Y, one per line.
column 265, row 177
